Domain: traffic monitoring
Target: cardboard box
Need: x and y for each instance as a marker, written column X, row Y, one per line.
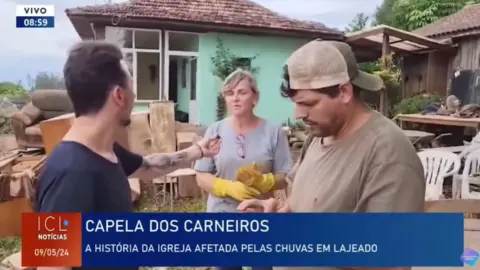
column 187, row 185
column 17, row 176
column 54, row 129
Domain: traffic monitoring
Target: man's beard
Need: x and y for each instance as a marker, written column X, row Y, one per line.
column 125, row 122
column 318, row 131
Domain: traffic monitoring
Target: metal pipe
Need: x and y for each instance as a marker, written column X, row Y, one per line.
column 92, row 26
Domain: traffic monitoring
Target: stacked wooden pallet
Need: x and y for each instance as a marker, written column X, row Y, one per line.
column 156, row 131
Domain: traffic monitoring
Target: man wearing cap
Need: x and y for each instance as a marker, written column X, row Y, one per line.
column 358, row 160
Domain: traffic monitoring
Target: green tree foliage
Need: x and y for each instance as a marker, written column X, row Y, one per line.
column 10, row 89
column 415, row 104
column 369, row 67
column 384, row 14
column 472, row 2
column 387, row 69
column 46, row 80
column 358, row 23
column 225, row 62
column 391, row 76
column 413, row 14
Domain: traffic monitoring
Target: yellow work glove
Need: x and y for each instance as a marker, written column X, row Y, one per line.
column 253, row 177
column 237, row 190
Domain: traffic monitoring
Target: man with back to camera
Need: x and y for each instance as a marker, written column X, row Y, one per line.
column 87, row 171
column 358, row 160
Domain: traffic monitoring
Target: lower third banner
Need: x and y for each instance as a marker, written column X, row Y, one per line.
column 232, row 239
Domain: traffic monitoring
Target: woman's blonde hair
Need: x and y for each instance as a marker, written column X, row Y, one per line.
column 236, row 77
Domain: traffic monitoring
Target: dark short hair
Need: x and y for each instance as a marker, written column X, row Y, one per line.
column 288, row 92
column 91, row 70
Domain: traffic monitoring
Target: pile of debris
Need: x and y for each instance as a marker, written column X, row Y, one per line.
column 453, row 107
column 297, row 133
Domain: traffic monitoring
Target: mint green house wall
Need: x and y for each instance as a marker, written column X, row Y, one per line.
column 183, row 94
column 183, row 97
column 140, row 107
column 271, row 52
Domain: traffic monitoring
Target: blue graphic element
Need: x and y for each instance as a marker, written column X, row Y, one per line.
column 65, row 222
column 469, row 257
column 296, row 239
column 35, row 22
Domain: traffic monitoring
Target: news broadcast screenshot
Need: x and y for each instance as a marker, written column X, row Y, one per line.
column 239, row 134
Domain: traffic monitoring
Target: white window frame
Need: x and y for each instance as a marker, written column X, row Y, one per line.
column 189, row 76
column 134, row 51
column 168, row 53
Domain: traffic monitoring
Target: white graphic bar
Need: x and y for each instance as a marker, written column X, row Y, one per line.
column 35, row 11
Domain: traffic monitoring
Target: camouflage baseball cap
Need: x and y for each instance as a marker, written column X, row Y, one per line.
column 320, row 64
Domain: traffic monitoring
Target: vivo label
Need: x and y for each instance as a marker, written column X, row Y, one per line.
column 35, row 11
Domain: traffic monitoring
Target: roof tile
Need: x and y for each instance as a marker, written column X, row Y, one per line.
column 465, row 19
column 242, row 13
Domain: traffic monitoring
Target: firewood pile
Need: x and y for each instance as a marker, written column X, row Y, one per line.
column 296, row 133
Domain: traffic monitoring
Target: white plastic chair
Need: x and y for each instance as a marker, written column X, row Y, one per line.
column 471, row 175
column 471, row 146
column 437, row 165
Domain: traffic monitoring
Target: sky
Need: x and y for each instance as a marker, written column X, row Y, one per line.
column 29, row 51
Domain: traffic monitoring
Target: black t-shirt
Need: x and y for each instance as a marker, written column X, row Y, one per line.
column 76, row 179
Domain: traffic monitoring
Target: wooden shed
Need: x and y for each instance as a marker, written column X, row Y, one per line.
column 462, row 29
column 424, row 60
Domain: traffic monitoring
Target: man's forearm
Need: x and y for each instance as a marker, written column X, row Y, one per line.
column 156, row 165
column 280, row 181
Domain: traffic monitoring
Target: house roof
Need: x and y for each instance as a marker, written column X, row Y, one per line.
column 464, row 22
column 233, row 13
column 368, row 43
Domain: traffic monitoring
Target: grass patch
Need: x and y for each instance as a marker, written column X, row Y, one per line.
column 8, row 245
column 187, row 205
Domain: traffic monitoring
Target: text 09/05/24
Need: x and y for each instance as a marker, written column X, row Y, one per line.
column 51, row 252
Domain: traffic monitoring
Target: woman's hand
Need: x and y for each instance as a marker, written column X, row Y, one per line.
column 253, row 177
column 234, row 189
column 209, row 146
